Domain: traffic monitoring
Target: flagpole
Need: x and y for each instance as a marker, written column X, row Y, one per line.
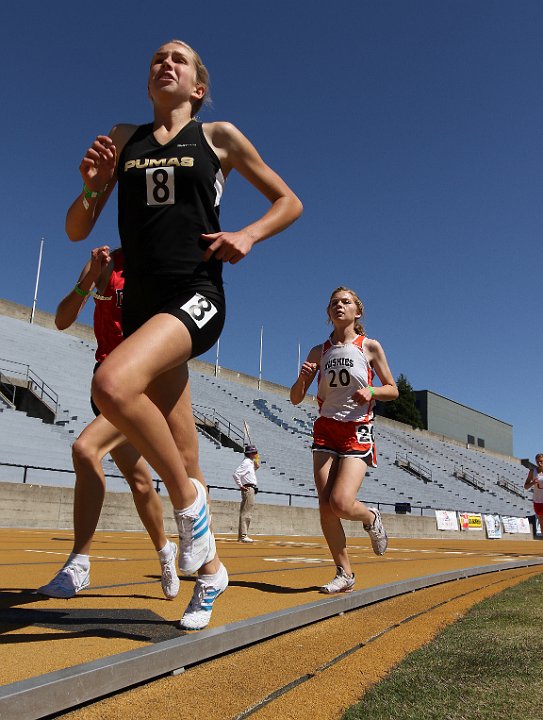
column 37, row 283
column 217, row 358
column 298, row 358
column 260, row 360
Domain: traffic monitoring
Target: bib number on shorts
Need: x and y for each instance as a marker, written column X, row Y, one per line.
column 363, row 435
column 200, row 309
column 160, row 186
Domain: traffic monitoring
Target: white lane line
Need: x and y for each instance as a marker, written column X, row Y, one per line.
column 64, row 554
column 298, row 560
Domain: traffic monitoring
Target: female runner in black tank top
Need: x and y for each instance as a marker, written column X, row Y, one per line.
column 171, row 176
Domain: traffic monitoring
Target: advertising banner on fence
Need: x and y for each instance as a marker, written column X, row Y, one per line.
column 471, row 521
column 515, row 525
column 493, row 525
column 446, row 520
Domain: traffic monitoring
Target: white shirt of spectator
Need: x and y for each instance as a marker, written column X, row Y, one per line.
column 245, row 474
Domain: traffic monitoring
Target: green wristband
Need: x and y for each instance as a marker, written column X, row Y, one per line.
column 81, row 292
column 89, row 194
column 372, row 390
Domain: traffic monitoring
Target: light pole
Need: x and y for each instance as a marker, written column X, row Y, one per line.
column 260, row 360
column 37, row 283
column 217, row 357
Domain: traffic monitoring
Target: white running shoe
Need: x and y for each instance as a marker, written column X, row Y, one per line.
column 198, row 613
column 169, row 580
column 67, row 582
column 245, row 539
column 377, row 533
column 341, row 583
column 196, row 541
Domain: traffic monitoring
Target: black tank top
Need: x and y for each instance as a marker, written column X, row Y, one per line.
column 168, row 195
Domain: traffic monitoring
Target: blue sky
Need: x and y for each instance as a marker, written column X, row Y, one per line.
column 411, row 130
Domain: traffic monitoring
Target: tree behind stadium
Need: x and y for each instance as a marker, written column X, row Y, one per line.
column 404, row 409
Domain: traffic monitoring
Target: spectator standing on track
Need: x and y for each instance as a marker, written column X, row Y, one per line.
column 102, row 279
column 534, row 482
column 343, row 444
column 171, row 175
column 245, row 477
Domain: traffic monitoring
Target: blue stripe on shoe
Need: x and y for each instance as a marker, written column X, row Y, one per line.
column 198, row 524
column 207, row 604
column 200, row 533
column 202, row 517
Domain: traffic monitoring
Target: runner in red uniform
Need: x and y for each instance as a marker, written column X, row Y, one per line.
column 103, row 280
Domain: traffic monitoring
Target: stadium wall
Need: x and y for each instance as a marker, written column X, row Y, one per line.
column 51, row 508
column 472, row 427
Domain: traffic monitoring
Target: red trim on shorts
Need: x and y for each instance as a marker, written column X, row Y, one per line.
column 538, row 508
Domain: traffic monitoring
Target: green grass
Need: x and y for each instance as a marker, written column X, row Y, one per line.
column 489, row 664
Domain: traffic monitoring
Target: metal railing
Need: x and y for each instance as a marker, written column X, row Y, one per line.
column 26, row 468
column 511, row 487
column 158, row 484
column 211, row 418
column 10, row 369
column 416, row 468
column 7, row 391
column 469, row 477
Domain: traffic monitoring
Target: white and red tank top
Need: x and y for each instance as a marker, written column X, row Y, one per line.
column 343, row 370
column 107, row 313
column 538, row 488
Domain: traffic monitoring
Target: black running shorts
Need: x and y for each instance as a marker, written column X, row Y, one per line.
column 94, row 406
column 198, row 304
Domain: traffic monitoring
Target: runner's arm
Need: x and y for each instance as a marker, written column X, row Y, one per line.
column 307, row 374
column 99, row 173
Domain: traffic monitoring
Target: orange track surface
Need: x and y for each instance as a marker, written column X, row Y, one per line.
column 124, row 609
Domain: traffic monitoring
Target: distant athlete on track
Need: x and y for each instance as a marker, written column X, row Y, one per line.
column 343, row 444
column 102, row 279
column 534, row 482
column 171, row 175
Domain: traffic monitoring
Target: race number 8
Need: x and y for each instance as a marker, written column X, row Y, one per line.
column 200, row 309
column 160, row 186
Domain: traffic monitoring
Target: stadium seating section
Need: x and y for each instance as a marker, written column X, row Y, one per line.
column 452, row 477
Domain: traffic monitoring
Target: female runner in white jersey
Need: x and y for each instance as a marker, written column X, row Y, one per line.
column 343, row 446
column 534, row 482
column 170, row 178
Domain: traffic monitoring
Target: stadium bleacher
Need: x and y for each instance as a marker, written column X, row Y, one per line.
column 457, row 478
